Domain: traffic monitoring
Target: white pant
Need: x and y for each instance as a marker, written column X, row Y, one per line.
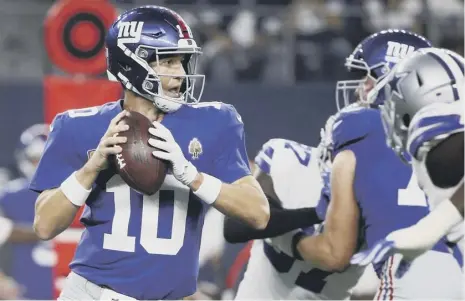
column 79, row 288
column 433, row 275
column 262, row 281
column 367, row 285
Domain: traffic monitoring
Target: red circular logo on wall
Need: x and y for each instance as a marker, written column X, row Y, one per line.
column 75, row 34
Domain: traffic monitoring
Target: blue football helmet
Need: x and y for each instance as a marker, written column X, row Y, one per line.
column 371, row 61
column 145, row 35
column 30, row 148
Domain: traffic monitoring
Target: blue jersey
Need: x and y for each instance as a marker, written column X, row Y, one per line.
column 31, row 263
column 385, row 188
column 146, row 247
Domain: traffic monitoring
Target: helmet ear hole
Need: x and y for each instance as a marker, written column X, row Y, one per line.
column 406, row 120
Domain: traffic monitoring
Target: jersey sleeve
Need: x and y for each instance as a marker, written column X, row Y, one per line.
column 232, row 162
column 351, row 127
column 433, row 124
column 58, row 160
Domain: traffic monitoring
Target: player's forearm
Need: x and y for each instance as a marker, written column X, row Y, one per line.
column 281, row 221
column 333, row 248
column 54, row 211
column 23, row 234
column 431, row 228
column 318, row 250
column 239, row 200
column 244, row 202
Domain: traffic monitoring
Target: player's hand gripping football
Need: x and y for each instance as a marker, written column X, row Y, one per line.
column 168, row 149
column 108, row 144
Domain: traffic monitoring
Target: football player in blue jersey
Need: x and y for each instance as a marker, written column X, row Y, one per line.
column 139, row 246
column 372, row 191
column 32, row 259
column 423, row 118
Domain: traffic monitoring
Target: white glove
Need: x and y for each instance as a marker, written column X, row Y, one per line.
column 183, row 170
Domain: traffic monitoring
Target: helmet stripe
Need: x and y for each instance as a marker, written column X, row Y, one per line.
column 185, row 30
column 448, row 71
column 460, row 63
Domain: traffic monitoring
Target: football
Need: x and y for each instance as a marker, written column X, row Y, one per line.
column 136, row 164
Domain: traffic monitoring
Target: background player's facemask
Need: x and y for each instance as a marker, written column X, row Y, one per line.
column 360, row 89
column 151, row 88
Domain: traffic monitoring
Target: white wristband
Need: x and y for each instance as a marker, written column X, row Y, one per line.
column 74, row 191
column 209, row 189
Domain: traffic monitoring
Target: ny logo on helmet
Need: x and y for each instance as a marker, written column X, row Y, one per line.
column 130, row 32
column 397, row 51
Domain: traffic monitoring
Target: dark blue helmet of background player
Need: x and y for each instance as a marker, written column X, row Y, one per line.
column 145, row 35
column 371, row 61
column 30, row 148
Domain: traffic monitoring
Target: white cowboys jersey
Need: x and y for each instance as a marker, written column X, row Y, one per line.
column 430, row 125
column 272, row 272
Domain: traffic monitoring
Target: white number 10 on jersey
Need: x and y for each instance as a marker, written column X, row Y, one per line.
column 119, row 239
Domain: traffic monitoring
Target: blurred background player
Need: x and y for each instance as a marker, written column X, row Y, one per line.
column 31, row 260
column 372, row 191
column 423, row 119
column 127, row 247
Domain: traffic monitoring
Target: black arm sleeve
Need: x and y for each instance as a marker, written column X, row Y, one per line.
column 445, row 162
column 281, row 221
